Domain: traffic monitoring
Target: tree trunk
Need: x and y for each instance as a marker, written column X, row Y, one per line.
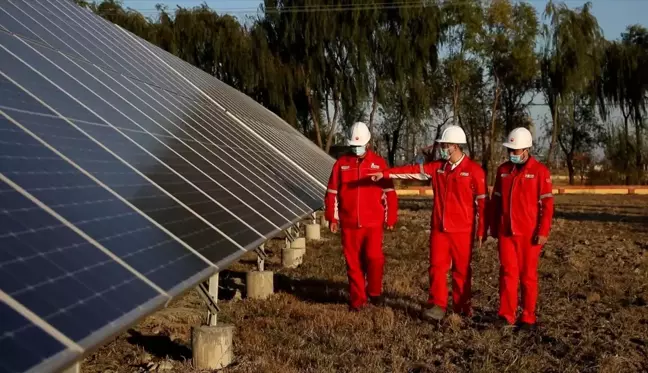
column 493, row 131
column 374, row 107
column 333, row 124
column 455, row 103
column 554, row 135
column 626, row 143
column 392, row 143
column 639, row 142
column 570, row 167
column 314, row 115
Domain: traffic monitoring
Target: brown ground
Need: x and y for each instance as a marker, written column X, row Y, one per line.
column 592, row 306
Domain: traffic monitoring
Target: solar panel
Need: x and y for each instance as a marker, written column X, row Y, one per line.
column 127, row 176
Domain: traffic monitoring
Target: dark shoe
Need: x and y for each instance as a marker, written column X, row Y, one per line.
column 378, row 300
column 502, row 323
column 358, row 308
column 434, row 313
column 526, row 327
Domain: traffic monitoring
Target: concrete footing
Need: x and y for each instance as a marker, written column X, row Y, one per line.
column 212, row 346
column 292, row 258
column 313, row 232
column 298, row 243
column 323, row 221
column 259, row 284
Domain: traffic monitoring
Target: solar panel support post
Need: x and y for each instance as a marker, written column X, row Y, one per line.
column 313, row 229
column 75, row 368
column 211, row 344
column 210, row 296
column 261, row 257
column 260, row 283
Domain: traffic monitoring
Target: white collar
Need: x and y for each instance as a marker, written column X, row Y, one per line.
column 454, row 165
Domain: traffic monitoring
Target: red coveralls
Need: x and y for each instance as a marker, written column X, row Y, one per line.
column 521, row 208
column 459, row 200
column 359, row 205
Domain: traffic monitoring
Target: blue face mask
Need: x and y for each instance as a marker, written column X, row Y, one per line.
column 445, row 153
column 516, row 159
column 358, row 150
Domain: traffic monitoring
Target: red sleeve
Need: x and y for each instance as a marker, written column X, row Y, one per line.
column 546, row 203
column 391, row 200
column 416, row 171
column 330, row 198
column 479, row 182
column 495, row 205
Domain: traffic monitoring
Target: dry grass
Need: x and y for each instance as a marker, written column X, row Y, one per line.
column 592, row 308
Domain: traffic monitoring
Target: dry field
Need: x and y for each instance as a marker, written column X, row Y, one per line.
column 593, row 308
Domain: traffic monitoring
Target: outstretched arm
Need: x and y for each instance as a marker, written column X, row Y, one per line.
column 411, row 172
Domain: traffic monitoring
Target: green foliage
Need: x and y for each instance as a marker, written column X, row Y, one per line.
column 322, row 65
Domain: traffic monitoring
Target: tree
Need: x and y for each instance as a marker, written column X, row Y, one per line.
column 581, row 129
column 571, row 58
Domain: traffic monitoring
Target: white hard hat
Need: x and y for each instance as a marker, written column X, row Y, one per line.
column 359, row 134
column 519, row 138
column 453, row 135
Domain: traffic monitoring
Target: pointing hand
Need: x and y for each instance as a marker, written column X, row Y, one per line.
column 376, row 176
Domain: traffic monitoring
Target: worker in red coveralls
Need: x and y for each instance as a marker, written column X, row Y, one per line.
column 458, row 215
column 361, row 208
column 522, row 209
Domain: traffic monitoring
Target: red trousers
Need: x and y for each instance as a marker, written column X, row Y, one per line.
column 451, row 250
column 518, row 263
column 365, row 261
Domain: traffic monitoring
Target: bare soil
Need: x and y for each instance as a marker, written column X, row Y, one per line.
column 593, row 307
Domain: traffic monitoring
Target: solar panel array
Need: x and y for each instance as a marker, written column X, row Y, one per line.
column 126, row 177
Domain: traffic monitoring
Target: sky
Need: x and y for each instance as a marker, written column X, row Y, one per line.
column 613, row 17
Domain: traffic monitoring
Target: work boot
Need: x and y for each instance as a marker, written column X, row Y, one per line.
column 435, row 313
column 377, row 300
column 526, row 327
column 502, row 323
column 358, row 308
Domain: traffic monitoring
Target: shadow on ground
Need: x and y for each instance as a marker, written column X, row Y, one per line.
column 160, row 346
column 603, row 217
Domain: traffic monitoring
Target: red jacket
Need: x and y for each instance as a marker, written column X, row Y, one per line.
column 459, row 194
column 354, row 200
column 522, row 200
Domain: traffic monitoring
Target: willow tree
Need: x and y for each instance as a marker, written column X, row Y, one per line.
column 570, row 60
column 507, row 48
column 462, row 25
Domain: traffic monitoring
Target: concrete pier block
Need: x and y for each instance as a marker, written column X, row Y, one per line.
column 323, row 221
column 212, row 346
column 313, row 232
column 259, row 284
column 298, row 243
column 292, row 258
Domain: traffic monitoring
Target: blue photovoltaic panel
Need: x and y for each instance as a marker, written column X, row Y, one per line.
column 136, row 147
column 93, row 209
column 126, row 176
column 60, row 276
column 134, row 56
column 24, row 346
column 245, row 201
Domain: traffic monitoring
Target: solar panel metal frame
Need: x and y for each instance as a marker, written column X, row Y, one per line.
column 74, row 351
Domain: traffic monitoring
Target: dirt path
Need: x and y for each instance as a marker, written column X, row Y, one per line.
column 593, row 307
